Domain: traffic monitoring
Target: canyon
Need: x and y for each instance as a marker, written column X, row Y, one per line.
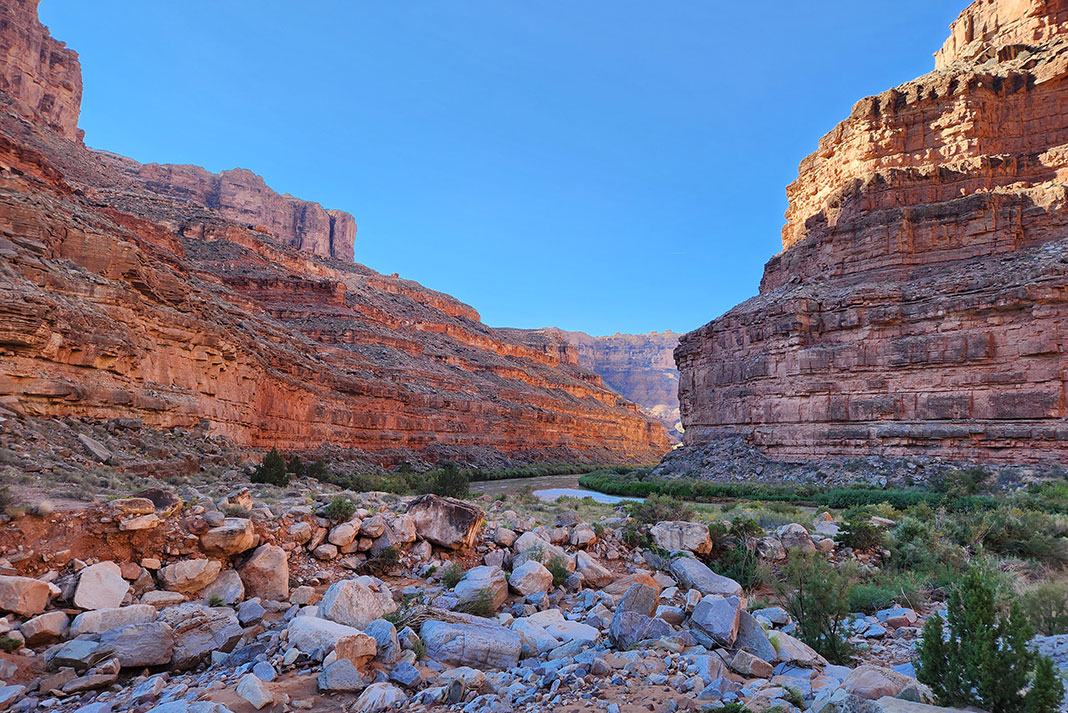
column 181, row 298
column 640, row 367
column 920, row 303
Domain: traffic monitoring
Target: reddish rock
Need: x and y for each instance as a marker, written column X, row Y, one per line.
column 159, row 294
column 920, row 303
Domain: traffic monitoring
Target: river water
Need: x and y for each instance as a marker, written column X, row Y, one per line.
column 546, row 487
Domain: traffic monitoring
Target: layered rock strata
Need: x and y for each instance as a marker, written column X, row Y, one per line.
column 121, row 297
column 641, row 367
column 920, row 303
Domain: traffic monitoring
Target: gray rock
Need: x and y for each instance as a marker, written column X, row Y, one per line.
column 310, row 634
column 674, row 535
column 92, row 622
column 406, row 675
column 693, row 574
column 751, row 637
column 529, row 578
column 718, row 617
column 357, row 602
column 10, row 694
column 146, row 644
column 100, row 586
column 633, row 615
column 79, row 654
column 385, row 636
column 481, row 578
column 208, row 630
column 341, row 676
column 264, row 671
column 227, row 587
column 378, row 697
column 479, row 643
column 45, row 628
column 253, row 690
column 447, row 522
column 250, row 612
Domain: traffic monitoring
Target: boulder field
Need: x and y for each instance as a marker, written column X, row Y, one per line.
column 483, row 611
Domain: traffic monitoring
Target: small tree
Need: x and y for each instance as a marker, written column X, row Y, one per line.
column 449, row 481
column 859, row 532
column 296, row 467
column 985, row 660
column 272, row 470
column 817, row 597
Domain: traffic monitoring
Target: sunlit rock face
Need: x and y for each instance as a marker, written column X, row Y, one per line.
column 175, row 296
column 920, row 303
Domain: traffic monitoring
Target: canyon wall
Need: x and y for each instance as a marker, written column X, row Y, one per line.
column 641, row 367
column 141, row 291
column 920, row 304
column 41, row 77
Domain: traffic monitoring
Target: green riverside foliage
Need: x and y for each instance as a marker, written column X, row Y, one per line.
column 272, row 470
column 859, row 533
column 658, row 508
column 448, row 481
column 817, row 597
column 985, row 661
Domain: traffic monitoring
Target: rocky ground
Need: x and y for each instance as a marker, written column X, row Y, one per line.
column 732, row 459
column 184, row 601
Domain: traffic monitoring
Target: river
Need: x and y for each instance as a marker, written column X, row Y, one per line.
column 546, row 487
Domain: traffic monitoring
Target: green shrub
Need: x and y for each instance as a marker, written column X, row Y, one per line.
column 817, row 597
column 743, row 565
column 385, row 560
column 272, row 470
column 215, row 601
column 1046, row 607
column 419, row 649
column 859, row 532
column 451, row 574
column 481, row 604
column 964, row 482
column 10, row 643
column 317, row 469
column 448, row 481
column 658, row 508
column 985, row 661
column 340, row 509
column 883, row 590
column 557, row 567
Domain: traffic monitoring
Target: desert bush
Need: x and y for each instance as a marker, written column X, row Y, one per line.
column 985, row 661
column 271, row 470
column 447, row 481
column 317, row 469
column 340, row 509
column 743, row 565
column 557, row 567
column 817, row 596
column 969, row 481
column 859, row 532
column 658, row 508
column 296, row 467
column 882, row 590
column 481, row 604
column 1046, row 607
column 451, row 574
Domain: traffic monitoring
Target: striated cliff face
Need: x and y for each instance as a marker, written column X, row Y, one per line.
column 242, row 197
column 160, row 293
column 640, row 367
column 41, row 77
column 920, row 304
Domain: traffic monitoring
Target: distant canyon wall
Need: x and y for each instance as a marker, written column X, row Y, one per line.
column 920, row 304
column 641, row 367
column 174, row 296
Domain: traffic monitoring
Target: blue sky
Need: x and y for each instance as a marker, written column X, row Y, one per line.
column 601, row 165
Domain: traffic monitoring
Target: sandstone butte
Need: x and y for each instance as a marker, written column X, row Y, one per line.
column 172, row 295
column 641, row 367
column 920, row 303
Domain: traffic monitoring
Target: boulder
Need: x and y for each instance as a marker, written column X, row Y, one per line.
column 873, row 682
column 357, row 602
column 23, row 595
column 254, row 690
column 266, row 574
column 378, row 697
column 529, row 546
column 359, row 648
column 189, row 575
column 399, row 533
column 792, row 651
column 795, row 537
column 310, row 634
column 632, row 615
column 343, row 534
column 593, row 573
column 676, row 535
column 100, row 586
column 478, row 642
column 481, row 578
column 45, row 628
column 206, row 631
column 386, row 643
column 718, row 617
column 227, row 587
column 529, row 578
column 91, row 622
column 190, row 707
column 446, row 522
column 750, row 666
column 138, row 645
column 752, row 638
column 693, row 574
column 79, row 654
column 341, row 676
column 504, row 537
column 235, row 535
column 10, row 694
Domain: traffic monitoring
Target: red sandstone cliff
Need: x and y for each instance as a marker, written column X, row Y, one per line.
column 920, row 303
column 174, row 296
column 640, row 367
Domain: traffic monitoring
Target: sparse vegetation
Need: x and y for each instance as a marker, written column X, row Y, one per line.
column 451, row 574
column 340, row 509
column 272, row 470
column 817, row 597
column 859, row 532
column 481, row 604
column 1046, row 607
column 657, row 508
column 557, row 567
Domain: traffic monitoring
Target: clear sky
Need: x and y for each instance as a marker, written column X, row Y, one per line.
column 599, row 165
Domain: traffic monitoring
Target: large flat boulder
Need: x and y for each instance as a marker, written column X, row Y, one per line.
column 718, row 617
column 189, row 575
column 673, row 535
column 446, row 522
column 100, row 586
column 357, row 602
column 138, row 645
column 479, row 643
column 235, row 535
column 484, row 578
column 309, row 633
column 91, row 622
column 24, row 596
column 694, row 574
